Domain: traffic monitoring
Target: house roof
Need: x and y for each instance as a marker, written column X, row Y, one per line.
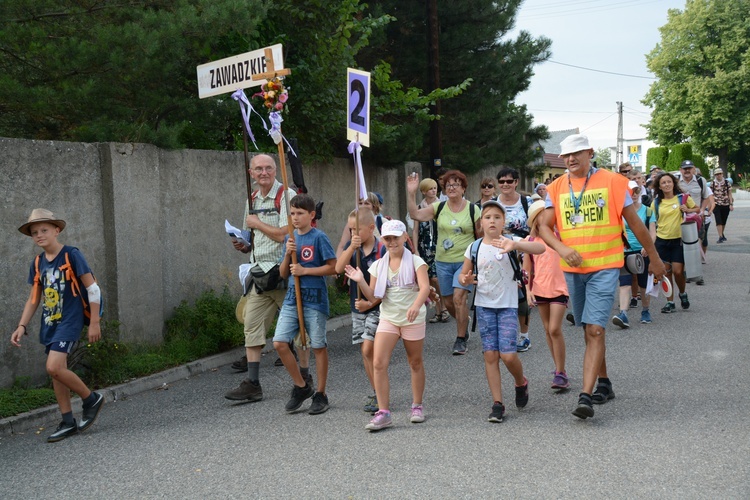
column 554, row 160
column 552, row 145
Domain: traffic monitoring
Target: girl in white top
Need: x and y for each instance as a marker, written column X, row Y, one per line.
column 399, row 280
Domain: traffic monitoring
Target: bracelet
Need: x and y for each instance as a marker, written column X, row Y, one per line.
column 24, row 328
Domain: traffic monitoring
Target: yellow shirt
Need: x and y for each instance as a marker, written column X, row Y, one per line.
column 670, row 217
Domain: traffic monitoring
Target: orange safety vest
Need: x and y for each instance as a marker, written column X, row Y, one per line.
column 598, row 237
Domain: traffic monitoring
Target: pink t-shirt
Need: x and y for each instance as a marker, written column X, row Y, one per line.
column 548, row 280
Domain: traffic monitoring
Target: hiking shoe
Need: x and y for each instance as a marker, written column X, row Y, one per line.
column 417, row 414
column 246, row 391
column 602, row 393
column 684, row 302
column 319, row 404
column 621, row 320
column 571, row 319
column 63, row 430
column 459, row 346
column 633, row 303
column 522, row 394
column 498, row 410
column 645, row 317
column 90, row 413
column 584, row 409
column 299, row 395
column 381, row 420
column 240, row 365
column 372, row 404
column 560, row 381
column 668, row 308
column 523, row 344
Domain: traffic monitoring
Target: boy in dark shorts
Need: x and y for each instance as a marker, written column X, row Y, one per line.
column 56, row 276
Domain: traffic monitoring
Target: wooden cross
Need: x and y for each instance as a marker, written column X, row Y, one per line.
column 271, row 72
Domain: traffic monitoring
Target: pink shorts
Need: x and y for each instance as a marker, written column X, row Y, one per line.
column 410, row 332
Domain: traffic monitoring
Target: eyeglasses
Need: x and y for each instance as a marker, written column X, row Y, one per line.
column 452, row 186
column 258, row 170
column 485, row 186
column 505, row 181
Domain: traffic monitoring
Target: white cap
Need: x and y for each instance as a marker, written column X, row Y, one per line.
column 393, row 228
column 574, row 143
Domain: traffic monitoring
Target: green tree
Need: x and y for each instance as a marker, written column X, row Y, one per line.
column 482, row 126
column 100, row 71
column 603, row 157
column 677, row 154
column 703, row 91
column 657, row 156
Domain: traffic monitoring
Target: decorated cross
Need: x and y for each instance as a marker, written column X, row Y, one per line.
column 271, row 71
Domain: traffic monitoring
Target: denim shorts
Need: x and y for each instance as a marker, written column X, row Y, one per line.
column 593, row 295
column 498, row 329
column 447, row 275
column 287, row 327
column 364, row 326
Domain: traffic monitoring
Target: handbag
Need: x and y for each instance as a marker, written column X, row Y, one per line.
column 266, row 282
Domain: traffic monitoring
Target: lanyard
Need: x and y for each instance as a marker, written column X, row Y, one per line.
column 577, row 201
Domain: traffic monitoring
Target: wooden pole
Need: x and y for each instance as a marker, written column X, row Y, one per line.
column 356, row 216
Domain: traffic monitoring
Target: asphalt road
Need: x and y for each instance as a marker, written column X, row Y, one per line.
column 678, row 428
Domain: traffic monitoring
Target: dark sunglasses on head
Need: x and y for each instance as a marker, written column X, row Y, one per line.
column 506, row 181
column 485, row 186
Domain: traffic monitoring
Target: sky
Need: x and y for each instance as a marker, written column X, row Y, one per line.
column 603, row 35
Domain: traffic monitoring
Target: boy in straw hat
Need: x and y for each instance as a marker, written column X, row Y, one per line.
column 55, row 276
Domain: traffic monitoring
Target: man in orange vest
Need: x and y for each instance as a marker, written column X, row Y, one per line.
column 587, row 206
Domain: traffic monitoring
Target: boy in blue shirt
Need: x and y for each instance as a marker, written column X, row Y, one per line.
column 365, row 314
column 316, row 259
column 55, row 276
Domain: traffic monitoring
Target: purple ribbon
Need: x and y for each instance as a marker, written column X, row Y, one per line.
column 247, row 109
column 275, row 132
column 355, row 149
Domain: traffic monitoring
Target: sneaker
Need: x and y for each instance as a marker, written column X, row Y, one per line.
column 571, row 319
column 633, row 303
column 417, row 414
column 240, row 365
column 372, row 404
column 63, row 430
column 684, row 302
column 498, row 410
column 668, row 308
column 523, row 344
column 319, row 404
column 621, row 320
column 90, row 413
column 584, row 409
column 434, row 319
column 309, row 380
column 645, row 317
column 299, row 395
column 700, row 281
column 522, row 394
column 459, row 346
column 246, row 391
column 381, row 420
column 560, row 381
column 602, row 393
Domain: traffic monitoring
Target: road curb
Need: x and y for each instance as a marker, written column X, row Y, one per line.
column 43, row 417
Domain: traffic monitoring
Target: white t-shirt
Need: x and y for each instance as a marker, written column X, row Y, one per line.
column 397, row 301
column 496, row 287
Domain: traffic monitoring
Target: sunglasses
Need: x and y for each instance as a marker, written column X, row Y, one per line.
column 485, row 186
column 625, row 171
column 505, row 181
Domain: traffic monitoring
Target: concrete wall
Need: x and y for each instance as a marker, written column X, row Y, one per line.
column 150, row 223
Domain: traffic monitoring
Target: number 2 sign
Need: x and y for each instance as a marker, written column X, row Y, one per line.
column 358, row 106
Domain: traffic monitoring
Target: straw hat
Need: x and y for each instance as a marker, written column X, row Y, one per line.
column 41, row 215
column 535, row 209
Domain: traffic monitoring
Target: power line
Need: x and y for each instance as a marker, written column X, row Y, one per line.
column 602, row 71
column 580, row 11
column 568, row 111
column 638, row 111
column 597, row 123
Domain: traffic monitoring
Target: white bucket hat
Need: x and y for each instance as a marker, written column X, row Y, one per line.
column 574, row 143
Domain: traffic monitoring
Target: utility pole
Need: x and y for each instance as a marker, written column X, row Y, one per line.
column 433, row 38
column 619, row 135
